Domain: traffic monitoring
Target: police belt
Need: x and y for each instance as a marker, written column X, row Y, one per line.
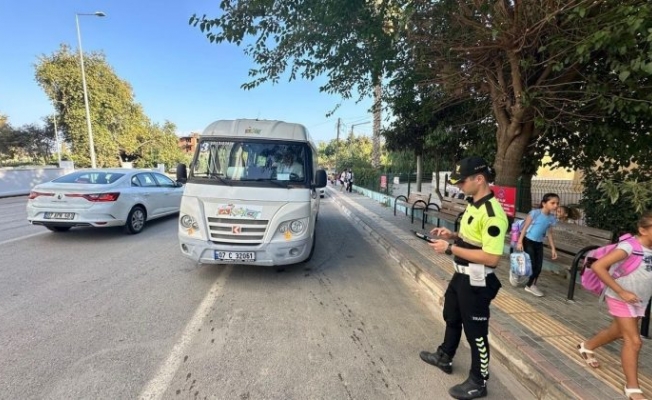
column 463, row 269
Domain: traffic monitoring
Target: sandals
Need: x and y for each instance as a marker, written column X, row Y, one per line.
column 589, row 357
column 630, row 391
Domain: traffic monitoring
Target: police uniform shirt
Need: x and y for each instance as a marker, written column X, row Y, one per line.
column 483, row 226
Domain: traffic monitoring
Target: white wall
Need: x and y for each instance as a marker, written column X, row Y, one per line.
column 19, row 181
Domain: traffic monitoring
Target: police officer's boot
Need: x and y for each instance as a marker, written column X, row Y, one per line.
column 471, row 388
column 439, row 359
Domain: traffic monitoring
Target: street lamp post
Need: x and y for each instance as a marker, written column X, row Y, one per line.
column 354, row 125
column 56, row 138
column 91, row 145
column 54, row 121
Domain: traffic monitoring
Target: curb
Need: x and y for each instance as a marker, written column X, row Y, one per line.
column 529, row 368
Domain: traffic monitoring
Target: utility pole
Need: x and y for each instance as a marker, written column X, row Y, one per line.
column 339, row 122
column 337, row 143
column 354, row 125
column 375, row 154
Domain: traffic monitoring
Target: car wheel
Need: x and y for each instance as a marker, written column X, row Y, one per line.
column 59, row 228
column 136, row 220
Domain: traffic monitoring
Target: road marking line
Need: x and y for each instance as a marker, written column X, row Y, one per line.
column 23, row 237
column 158, row 385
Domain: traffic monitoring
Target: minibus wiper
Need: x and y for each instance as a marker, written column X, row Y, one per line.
column 275, row 182
column 219, row 178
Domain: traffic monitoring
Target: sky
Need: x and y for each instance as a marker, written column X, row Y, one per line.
column 175, row 73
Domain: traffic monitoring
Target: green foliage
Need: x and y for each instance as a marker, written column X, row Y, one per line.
column 615, row 201
column 367, row 176
column 160, row 145
column 575, row 85
column 610, row 117
column 28, row 144
column 352, row 41
column 352, row 152
column 637, row 194
column 121, row 131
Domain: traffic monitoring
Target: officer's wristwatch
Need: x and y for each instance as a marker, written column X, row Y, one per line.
column 449, row 249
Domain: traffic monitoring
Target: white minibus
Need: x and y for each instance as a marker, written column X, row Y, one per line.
column 251, row 194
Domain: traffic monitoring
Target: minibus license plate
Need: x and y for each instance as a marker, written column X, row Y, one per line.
column 235, row 255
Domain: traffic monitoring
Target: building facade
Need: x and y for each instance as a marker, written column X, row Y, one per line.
column 188, row 143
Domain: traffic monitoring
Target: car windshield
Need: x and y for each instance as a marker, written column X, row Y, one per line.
column 90, row 177
column 239, row 162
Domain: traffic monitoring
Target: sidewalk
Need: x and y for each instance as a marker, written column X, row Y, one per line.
column 534, row 337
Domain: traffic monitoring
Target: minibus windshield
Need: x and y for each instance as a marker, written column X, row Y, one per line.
column 237, row 161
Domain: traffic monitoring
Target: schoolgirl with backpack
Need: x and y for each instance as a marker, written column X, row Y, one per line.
column 535, row 228
column 626, row 272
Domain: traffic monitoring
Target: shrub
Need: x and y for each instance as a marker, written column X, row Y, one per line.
column 614, row 201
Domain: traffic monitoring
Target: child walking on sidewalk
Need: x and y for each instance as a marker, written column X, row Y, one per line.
column 626, row 298
column 535, row 228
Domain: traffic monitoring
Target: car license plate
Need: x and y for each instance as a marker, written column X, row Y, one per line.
column 59, row 215
column 245, row 256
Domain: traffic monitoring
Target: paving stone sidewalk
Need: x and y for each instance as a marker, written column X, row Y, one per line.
column 534, row 337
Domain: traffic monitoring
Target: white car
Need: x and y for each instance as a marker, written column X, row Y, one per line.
column 103, row 197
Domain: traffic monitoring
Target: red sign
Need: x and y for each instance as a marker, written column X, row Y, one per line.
column 506, row 196
column 383, row 181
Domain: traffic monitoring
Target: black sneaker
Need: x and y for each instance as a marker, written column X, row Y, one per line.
column 439, row 359
column 471, row 388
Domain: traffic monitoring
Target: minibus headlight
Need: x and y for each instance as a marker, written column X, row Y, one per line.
column 188, row 222
column 297, row 226
column 294, row 227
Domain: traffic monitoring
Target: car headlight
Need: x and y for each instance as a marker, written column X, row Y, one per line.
column 188, row 222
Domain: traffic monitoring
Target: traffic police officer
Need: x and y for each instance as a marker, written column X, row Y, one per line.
column 476, row 250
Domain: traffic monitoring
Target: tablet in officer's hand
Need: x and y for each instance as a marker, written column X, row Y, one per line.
column 423, row 236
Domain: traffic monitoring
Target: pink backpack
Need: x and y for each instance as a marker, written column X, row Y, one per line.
column 590, row 280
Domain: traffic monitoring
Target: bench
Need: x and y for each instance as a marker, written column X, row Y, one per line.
column 415, row 200
column 573, row 242
column 451, row 209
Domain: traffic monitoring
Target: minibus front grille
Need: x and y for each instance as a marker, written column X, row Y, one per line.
column 237, row 231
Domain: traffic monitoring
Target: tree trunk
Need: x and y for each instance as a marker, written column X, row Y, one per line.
column 436, row 188
column 512, row 140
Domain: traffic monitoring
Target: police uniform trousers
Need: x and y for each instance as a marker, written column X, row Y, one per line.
column 467, row 307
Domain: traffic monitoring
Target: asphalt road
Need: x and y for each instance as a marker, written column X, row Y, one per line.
column 98, row 314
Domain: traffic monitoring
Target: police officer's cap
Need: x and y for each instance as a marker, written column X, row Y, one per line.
column 468, row 167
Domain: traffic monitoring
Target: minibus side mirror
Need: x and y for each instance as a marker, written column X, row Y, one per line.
column 182, row 173
column 321, row 179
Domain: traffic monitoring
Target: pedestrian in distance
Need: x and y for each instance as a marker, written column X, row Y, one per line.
column 476, row 250
column 342, row 180
column 349, row 180
column 535, row 228
column 626, row 298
